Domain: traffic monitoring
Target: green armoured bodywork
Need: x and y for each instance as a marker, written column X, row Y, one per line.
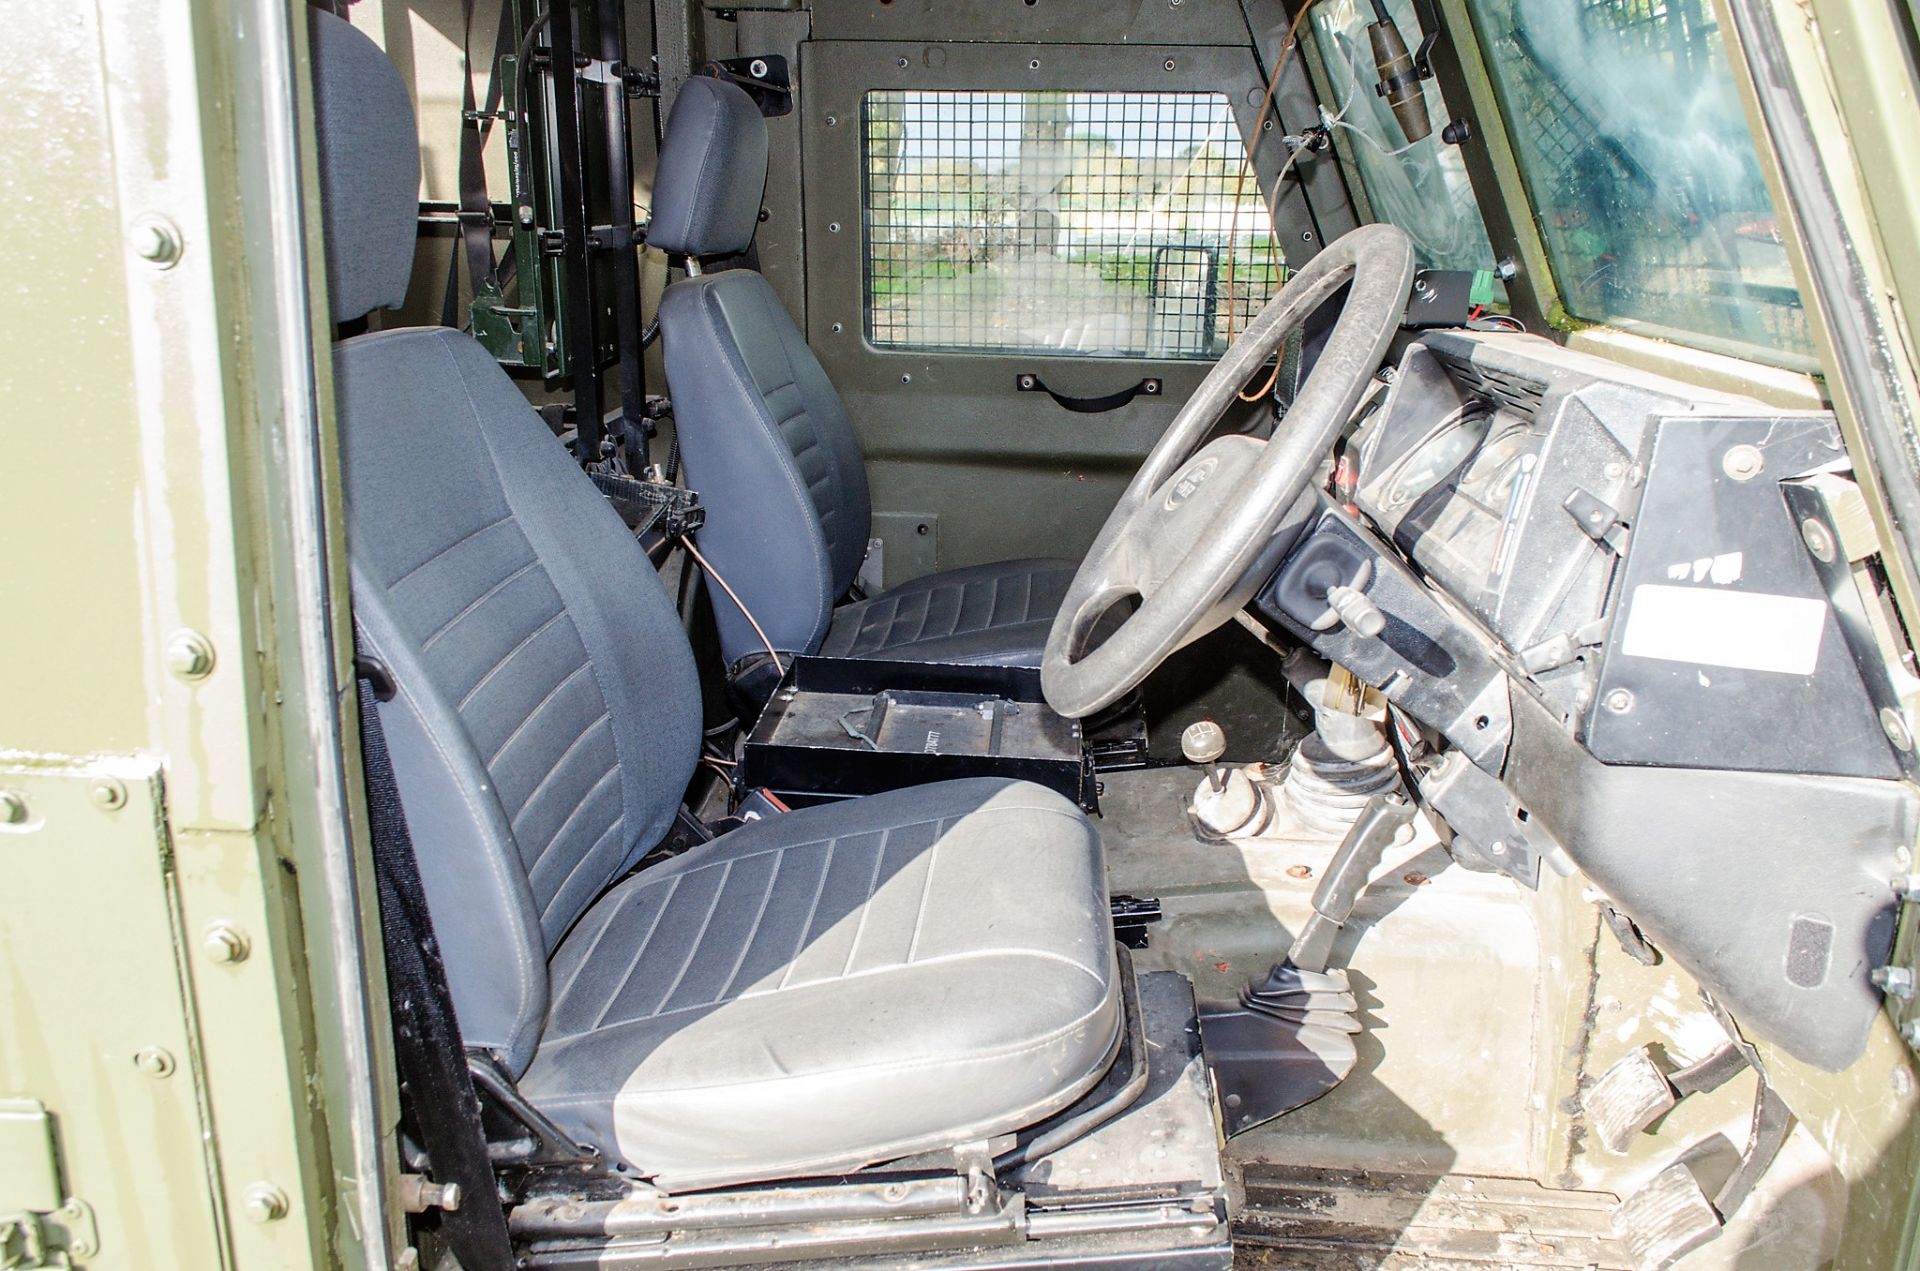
column 194, row 1065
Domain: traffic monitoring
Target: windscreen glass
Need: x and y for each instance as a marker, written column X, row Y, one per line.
column 1642, row 171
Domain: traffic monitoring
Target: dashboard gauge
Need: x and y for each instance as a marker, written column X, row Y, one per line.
column 1438, row 457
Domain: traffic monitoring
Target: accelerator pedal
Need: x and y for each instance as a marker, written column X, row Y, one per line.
column 1667, row 1218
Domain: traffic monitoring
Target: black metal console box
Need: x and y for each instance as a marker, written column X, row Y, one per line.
column 838, row 727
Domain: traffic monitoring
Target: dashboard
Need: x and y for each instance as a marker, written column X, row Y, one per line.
column 1618, row 608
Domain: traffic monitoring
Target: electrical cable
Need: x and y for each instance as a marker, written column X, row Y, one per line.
column 523, row 118
column 734, row 596
column 1246, row 167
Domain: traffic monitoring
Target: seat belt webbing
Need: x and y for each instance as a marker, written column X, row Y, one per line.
column 475, row 240
column 439, row 1091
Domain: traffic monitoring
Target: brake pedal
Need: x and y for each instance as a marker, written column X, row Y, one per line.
column 1667, row 1218
column 1628, row 1097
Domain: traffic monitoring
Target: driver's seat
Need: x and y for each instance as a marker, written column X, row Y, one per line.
column 769, row 446
column 818, row 991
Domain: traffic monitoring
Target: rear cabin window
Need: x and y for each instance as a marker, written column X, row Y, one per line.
column 1090, row 224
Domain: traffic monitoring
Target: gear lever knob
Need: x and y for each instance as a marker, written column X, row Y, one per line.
column 1203, row 742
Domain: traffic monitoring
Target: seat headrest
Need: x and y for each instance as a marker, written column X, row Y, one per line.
column 712, row 171
column 369, row 160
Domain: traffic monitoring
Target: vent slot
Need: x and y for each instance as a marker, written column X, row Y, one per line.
column 1496, row 387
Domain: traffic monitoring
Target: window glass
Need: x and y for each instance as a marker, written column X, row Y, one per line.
column 1642, row 171
column 1071, row 223
column 1423, row 187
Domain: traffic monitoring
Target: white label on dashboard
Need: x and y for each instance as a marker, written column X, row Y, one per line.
column 1751, row 630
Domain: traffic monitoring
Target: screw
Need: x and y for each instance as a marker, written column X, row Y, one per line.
column 107, row 794
column 1168, row 65
column 833, row 227
column 189, row 655
column 1615, row 470
column 156, row 240
column 1026, row 381
column 906, row 379
column 1819, row 540
column 1895, row 727
column 758, row 68
column 155, row 1062
column 833, row 121
column 900, row 62
column 1620, row 701
column 1894, row 981
column 1743, row 462
column 226, row 943
column 1306, row 236
column 837, row 328
column 13, row 807
column 265, row 1203
column 1497, row 848
column 1034, row 65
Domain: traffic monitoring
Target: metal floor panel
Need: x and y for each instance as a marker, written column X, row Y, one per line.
column 1319, row 1220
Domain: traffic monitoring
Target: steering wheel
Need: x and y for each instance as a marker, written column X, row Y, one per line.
column 1191, row 525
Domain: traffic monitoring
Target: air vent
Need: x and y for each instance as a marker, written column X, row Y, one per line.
column 1496, row 387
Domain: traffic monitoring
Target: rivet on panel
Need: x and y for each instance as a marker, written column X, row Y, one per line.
column 265, row 1203
column 225, row 942
column 155, row 1061
column 1620, row 701
column 108, row 794
column 189, row 655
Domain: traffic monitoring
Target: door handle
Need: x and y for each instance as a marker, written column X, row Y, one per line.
column 1027, row 382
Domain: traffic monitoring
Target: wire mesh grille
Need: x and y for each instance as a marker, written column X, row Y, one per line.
column 1070, row 223
column 1633, row 140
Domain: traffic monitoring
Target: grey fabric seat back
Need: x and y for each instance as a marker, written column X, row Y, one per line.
column 546, row 718
column 765, row 437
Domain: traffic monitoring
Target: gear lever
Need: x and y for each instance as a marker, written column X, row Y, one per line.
column 1203, row 743
column 1229, row 803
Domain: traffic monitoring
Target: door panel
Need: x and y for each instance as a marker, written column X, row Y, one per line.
column 951, row 441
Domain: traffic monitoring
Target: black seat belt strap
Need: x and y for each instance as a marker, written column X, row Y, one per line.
column 438, row 1089
column 476, row 208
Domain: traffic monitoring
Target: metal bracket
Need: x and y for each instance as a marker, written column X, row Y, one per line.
column 55, row 1238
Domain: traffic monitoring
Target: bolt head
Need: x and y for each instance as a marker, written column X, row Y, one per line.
column 264, row 1202
column 1620, row 701
column 1819, row 540
column 189, row 655
column 1895, row 726
column 156, row 240
column 156, row 1061
column 13, row 807
column 1743, row 462
column 1910, row 1033
column 108, row 794
column 1894, row 981
column 226, row 943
